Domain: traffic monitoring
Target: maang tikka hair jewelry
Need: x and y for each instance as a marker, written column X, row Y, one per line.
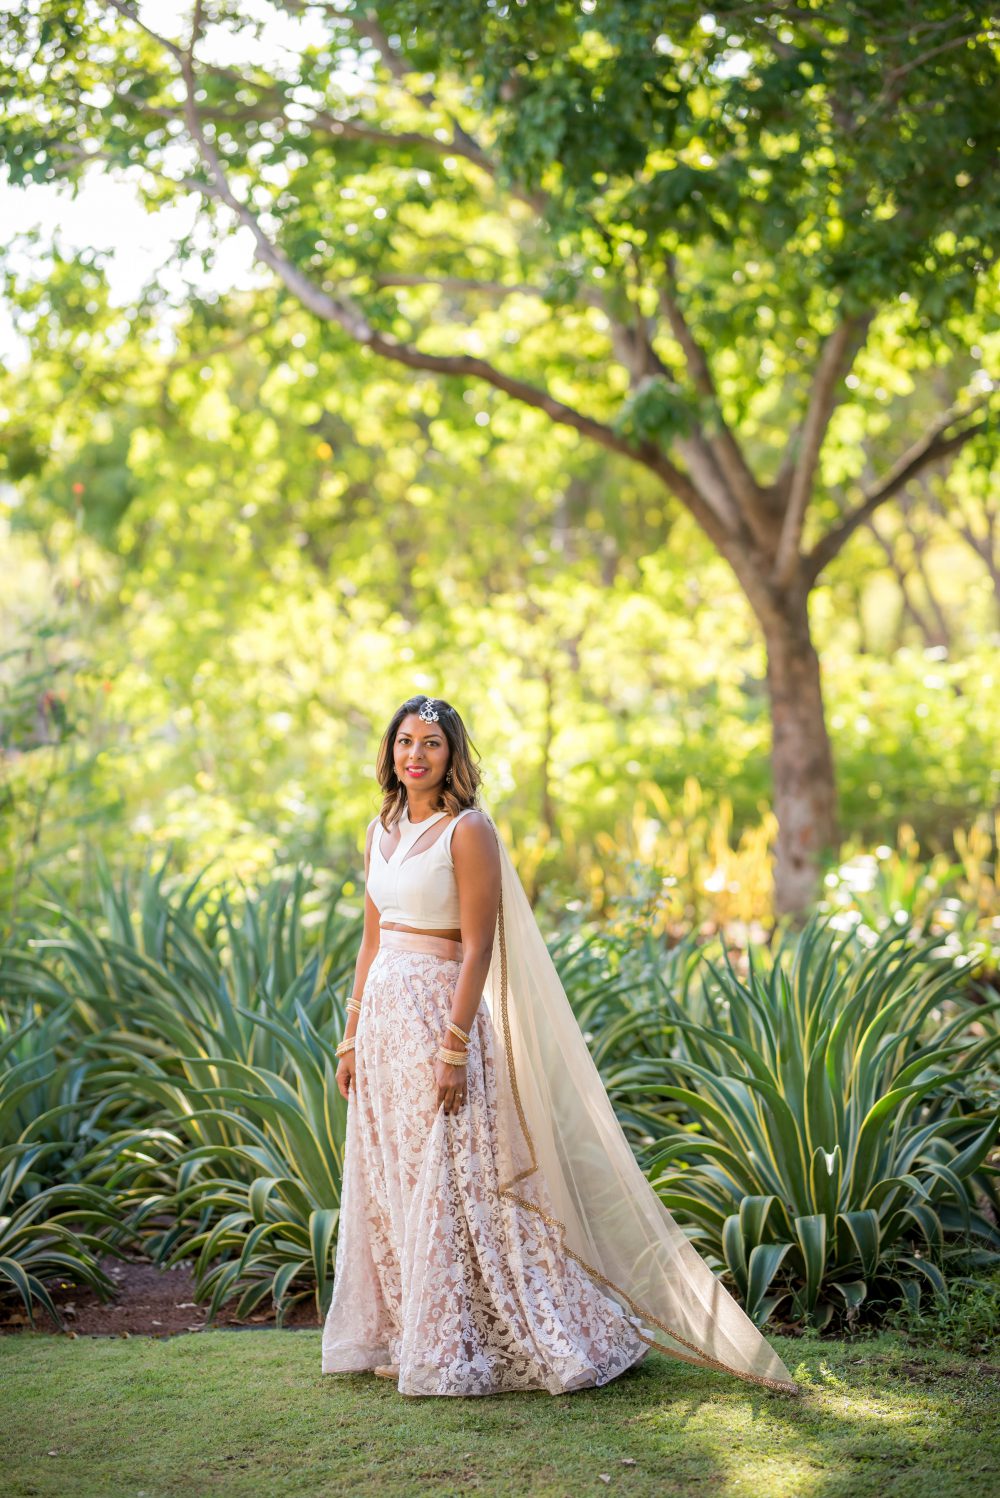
column 429, row 712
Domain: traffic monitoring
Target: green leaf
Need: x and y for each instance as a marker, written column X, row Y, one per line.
column 865, row 1234
column 765, row 1261
column 734, row 1251
column 853, row 1291
column 811, row 1237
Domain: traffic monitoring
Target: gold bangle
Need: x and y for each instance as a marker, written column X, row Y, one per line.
column 453, row 1058
column 347, row 1044
column 353, row 1004
column 457, row 1030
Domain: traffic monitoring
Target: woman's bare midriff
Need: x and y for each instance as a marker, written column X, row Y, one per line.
column 450, row 935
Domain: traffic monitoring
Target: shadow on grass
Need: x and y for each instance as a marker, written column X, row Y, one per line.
column 865, row 1425
column 216, row 1414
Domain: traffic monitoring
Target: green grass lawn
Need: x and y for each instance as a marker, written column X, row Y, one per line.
column 250, row 1413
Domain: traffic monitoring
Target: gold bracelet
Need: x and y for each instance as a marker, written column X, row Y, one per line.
column 353, row 1004
column 347, row 1044
column 453, row 1058
column 457, row 1030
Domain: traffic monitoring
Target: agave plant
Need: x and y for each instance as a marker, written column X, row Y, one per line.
column 49, row 1226
column 169, row 1002
column 173, row 955
column 257, row 1204
column 166, row 980
column 44, row 1237
column 614, row 986
column 828, row 1159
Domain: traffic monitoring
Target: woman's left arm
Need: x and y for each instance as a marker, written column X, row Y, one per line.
column 476, row 860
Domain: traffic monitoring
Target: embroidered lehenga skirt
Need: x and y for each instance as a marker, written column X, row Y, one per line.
column 435, row 1273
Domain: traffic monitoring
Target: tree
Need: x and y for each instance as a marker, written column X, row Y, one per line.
column 747, row 232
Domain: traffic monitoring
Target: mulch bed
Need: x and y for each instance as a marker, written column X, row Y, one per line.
column 150, row 1302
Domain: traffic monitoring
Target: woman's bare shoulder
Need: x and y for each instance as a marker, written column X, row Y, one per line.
column 473, row 830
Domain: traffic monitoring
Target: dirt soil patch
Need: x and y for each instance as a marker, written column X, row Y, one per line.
column 150, row 1302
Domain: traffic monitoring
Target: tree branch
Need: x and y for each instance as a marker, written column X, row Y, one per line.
column 930, row 448
column 108, row 158
column 920, row 539
column 725, row 448
column 330, row 124
column 130, row 10
column 724, row 529
column 460, row 284
column 343, row 312
column 986, row 546
column 462, row 143
column 837, row 356
column 894, row 77
column 910, row 605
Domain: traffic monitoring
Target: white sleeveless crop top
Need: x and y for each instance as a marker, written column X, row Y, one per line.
column 415, row 886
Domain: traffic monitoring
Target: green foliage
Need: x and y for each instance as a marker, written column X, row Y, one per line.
column 287, row 531
column 52, row 732
column 268, row 537
column 952, row 896
column 833, row 1154
column 53, row 1222
column 209, row 1120
column 966, row 1319
column 782, row 131
column 170, row 1083
column 644, row 230
column 657, row 411
column 773, row 167
column 256, row 1201
column 57, row 1233
column 232, row 718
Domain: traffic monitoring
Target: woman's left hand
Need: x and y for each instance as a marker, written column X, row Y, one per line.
column 450, row 1085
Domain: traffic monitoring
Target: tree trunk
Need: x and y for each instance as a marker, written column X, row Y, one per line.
column 805, row 793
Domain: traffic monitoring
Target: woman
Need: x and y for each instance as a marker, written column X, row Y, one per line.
column 496, row 1232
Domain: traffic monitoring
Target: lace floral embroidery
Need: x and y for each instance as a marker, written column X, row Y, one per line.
column 466, row 1292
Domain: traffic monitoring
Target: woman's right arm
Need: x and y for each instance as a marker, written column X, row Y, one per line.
column 366, row 956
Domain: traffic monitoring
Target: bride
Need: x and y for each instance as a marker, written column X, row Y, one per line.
column 496, row 1232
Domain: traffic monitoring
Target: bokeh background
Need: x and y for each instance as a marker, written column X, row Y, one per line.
column 624, row 374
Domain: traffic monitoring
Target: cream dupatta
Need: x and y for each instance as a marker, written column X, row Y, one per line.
column 563, row 1154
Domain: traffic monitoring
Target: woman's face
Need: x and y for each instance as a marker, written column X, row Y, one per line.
column 420, row 754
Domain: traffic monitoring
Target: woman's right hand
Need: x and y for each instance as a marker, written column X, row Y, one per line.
column 345, row 1074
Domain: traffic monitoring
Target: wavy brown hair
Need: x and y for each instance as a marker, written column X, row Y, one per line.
column 463, row 790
